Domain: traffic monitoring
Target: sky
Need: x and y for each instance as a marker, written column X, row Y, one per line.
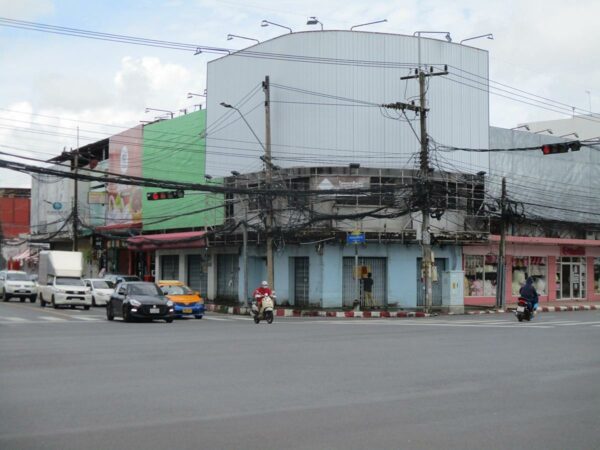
column 51, row 85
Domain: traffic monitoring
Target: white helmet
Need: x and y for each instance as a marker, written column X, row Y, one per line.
column 264, row 284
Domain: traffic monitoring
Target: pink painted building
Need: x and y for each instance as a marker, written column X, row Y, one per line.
column 562, row 269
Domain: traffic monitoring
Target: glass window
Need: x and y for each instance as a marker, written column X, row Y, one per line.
column 481, row 274
column 529, row 266
column 143, row 289
column 103, row 284
column 176, row 290
column 12, row 276
column 597, row 276
column 69, row 281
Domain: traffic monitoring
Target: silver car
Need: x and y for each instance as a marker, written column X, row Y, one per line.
column 101, row 290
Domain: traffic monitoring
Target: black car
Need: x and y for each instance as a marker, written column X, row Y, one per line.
column 139, row 300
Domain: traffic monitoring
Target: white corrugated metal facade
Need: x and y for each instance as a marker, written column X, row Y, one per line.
column 322, row 112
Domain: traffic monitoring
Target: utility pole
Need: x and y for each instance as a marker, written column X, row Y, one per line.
column 268, row 179
column 427, row 259
column 75, row 198
column 501, row 277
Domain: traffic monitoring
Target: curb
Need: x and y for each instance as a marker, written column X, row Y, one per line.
column 542, row 309
column 284, row 312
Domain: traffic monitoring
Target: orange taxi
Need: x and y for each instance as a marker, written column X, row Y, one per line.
column 186, row 302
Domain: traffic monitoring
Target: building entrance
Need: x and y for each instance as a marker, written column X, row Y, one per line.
column 571, row 278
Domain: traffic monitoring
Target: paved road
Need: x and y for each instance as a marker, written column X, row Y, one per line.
column 77, row 381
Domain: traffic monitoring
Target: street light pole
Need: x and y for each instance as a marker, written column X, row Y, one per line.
column 76, row 198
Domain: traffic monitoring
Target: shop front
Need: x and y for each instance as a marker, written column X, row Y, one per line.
column 562, row 269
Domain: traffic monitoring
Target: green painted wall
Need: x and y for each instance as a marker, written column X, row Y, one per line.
column 173, row 150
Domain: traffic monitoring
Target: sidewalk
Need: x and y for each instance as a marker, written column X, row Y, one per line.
column 376, row 314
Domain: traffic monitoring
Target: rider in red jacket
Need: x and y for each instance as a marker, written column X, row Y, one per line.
column 260, row 292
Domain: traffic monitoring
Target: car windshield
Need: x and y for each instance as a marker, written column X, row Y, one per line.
column 103, row 284
column 130, row 278
column 17, row 277
column 176, row 290
column 69, row 281
column 143, row 289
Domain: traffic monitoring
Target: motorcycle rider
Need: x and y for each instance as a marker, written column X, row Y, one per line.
column 529, row 293
column 260, row 292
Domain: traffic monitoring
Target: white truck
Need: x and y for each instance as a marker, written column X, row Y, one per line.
column 59, row 280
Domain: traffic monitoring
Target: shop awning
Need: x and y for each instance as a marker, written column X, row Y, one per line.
column 547, row 241
column 22, row 256
column 189, row 239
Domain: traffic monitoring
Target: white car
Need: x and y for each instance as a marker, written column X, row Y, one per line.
column 14, row 283
column 101, row 290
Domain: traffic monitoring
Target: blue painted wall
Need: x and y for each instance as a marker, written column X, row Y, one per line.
column 326, row 270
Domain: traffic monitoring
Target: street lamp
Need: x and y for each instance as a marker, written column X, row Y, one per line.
column 570, row 134
column 160, row 110
column 313, row 21
column 419, row 33
column 192, row 94
column 369, row 23
column 489, row 36
column 266, row 23
column 227, row 105
column 231, row 36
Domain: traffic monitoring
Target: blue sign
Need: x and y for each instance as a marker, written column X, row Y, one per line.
column 57, row 205
column 355, row 238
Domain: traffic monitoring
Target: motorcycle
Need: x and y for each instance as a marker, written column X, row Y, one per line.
column 523, row 312
column 267, row 310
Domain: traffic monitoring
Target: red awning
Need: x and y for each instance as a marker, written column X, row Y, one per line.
column 189, row 239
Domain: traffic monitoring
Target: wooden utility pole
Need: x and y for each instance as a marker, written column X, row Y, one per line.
column 501, row 276
column 268, row 179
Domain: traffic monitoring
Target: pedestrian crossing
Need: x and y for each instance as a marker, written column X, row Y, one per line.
column 506, row 322
column 4, row 320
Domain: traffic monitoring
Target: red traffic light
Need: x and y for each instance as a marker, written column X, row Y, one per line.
column 165, row 195
column 561, row 147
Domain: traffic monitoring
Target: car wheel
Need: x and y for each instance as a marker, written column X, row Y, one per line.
column 4, row 297
column 32, row 298
column 126, row 314
column 53, row 303
column 198, row 316
column 86, row 308
column 22, row 299
column 109, row 312
column 42, row 302
column 169, row 320
column 94, row 301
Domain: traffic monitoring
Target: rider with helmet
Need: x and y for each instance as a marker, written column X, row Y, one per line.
column 261, row 292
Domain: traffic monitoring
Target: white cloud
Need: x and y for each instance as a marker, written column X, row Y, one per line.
column 26, row 9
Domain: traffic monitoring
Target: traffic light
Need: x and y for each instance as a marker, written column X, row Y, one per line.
column 561, row 147
column 165, row 195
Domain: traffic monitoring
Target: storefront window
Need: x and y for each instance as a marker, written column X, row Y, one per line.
column 480, row 275
column 597, row 275
column 529, row 266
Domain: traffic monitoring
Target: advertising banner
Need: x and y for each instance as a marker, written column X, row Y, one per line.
column 124, row 207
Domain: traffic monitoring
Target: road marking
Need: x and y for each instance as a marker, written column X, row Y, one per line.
column 217, row 318
column 89, row 319
column 576, row 323
column 53, row 319
column 17, row 319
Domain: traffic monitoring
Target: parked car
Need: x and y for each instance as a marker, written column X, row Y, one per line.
column 185, row 301
column 14, row 283
column 117, row 278
column 139, row 300
column 101, row 290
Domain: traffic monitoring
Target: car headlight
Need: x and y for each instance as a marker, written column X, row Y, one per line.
column 169, row 303
column 134, row 302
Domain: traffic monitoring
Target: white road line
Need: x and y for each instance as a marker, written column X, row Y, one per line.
column 576, row 323
column 53, row 319
column 89, row 319
column 17, row 320
column 216, row 318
